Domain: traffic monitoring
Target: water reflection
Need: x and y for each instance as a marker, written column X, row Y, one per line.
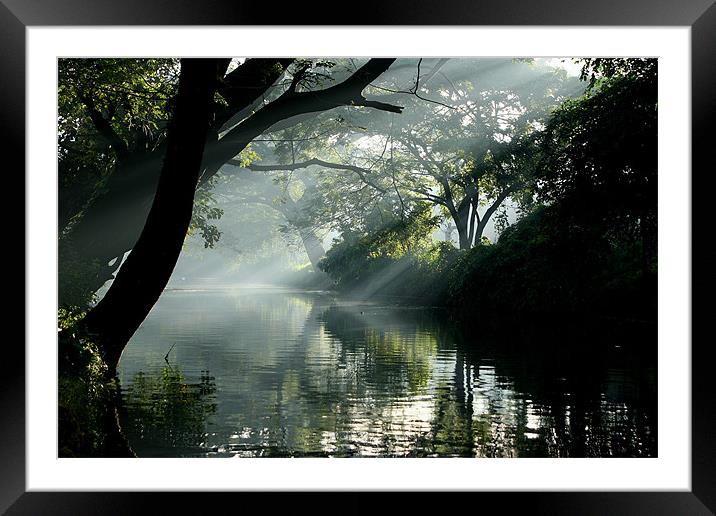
column 167, row 416
column 303, row 374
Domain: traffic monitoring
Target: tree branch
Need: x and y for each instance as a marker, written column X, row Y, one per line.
column 361, row 172
column 244, row 87
column 346, row 93
column 104, row 127
column 496, row 204
column 382, row 106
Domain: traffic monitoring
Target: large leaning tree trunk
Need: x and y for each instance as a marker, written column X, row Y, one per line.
column 124, row 207
column 112, row 223
column 147, row 269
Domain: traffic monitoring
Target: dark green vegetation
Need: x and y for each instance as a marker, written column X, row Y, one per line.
column 87, row 397
column 167, row 411
column 501, row 186
column 587, row 243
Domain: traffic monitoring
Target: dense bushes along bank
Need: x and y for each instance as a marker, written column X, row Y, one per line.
column 588, row 243
column 542, row 264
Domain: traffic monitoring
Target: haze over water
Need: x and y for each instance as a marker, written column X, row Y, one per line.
column 261, row 371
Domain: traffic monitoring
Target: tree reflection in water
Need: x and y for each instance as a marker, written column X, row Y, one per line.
column 310, row 375
column 165, row 415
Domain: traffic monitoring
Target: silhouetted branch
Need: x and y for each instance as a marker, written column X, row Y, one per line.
column 346, row 93
column 104, row 127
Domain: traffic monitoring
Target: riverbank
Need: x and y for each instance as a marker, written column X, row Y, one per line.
column 88, row 397
column 538, row 267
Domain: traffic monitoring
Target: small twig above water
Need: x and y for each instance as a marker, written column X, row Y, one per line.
column 166, row 357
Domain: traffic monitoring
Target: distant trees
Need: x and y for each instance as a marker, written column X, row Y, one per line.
column 465, row 143
column 254, row 186
column 474, row 148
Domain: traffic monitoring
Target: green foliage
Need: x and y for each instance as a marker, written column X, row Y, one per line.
column 68, row 318
column 545, row 263
column 357, row 256
column 166, row 411
column 596, row 70
column 603, row 142
column 205, row 211
column 75, row 274
column 542, row 264
column 248, row 156
column 599, row 154
column 85, row 391
column 133, row 95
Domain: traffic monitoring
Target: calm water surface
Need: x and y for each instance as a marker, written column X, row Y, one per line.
column 270, row 372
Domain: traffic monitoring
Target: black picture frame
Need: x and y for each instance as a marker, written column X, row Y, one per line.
column 700, row 15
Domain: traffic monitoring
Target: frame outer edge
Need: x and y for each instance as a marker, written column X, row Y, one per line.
column 703, row 358
column 12, row 364
column 12, row 129
column 372, row 12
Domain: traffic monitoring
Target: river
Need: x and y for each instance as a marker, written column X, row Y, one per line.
column 271, row 372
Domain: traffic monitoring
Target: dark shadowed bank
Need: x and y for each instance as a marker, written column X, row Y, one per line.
column 539, row 267
column 586, row 244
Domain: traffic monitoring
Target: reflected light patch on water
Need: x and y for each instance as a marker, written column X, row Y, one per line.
column 258, row 372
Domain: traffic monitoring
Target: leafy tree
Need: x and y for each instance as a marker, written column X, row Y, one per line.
column 193, row 154
column 472, row 149
column 599, row 158
column 465, row 143
column 146, row 271
column 248, row 101
column 394, row 245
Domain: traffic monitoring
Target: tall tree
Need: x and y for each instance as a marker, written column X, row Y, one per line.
column 465, row 143
column 471, row 146
column 147, row 269
column 250, row 101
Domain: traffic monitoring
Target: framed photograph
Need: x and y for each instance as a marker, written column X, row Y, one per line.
column 414, row 250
